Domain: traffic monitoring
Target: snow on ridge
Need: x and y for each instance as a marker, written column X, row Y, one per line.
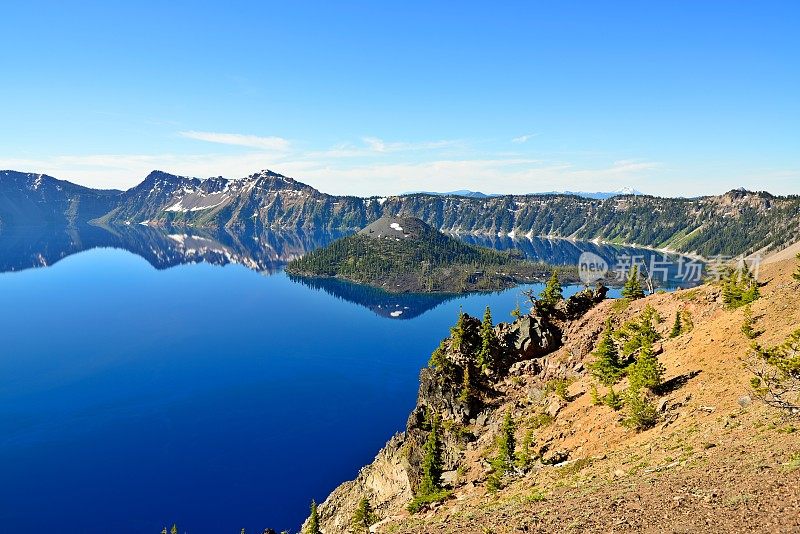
column 396, row 226
column 176, row 207
column 198, row 201
column 180, row 238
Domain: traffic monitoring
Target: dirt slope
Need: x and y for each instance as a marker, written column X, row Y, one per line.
column 717, row 461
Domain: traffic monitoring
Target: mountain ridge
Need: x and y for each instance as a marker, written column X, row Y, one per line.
column 736, row 222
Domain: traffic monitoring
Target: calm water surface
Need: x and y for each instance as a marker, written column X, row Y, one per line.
column 216, row 397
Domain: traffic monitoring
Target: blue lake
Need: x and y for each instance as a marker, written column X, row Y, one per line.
column 136, row 393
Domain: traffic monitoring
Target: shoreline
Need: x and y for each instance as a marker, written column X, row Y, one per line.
column 597, row 241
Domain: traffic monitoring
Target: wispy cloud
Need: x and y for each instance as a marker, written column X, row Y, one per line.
column 368, row 166
column 496, row 174
column 524, row 138
column 379, row 145
column 251, row 141
column 121, row 171
column 620, row 168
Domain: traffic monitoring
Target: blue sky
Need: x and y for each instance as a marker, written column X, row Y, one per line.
column 673, row 98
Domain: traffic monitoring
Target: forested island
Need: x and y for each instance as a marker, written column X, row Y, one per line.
column 404, row 254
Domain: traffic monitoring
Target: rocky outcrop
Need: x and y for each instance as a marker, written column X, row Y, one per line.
column 390, row 481
column 530, row 337
column 583, row 301
column 386, row 482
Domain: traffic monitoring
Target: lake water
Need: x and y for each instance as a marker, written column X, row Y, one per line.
column 173, row 379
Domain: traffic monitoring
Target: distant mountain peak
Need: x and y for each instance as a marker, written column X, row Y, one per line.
column 161, row 175
column 627, row 191
column 267, row 173
column 392, row 226
column 275, row 180
column 743, row 191
column 597, row 195
column 460, row 193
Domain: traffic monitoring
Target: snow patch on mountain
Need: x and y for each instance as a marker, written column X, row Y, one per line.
column 198, row 201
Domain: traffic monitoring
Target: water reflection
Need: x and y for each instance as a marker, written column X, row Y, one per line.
column 668, row 274
column 389, row 305
column 268, row 251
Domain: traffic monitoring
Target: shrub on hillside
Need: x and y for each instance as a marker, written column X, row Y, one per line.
column 606, row 366
column 364, row 516
column 504, row 461
column 646, row 371
column 677, row 326
column 559, row 386
column 796, row 274
column 430, row 487
column 748, row 325
column 640, row 413
column 776, row 371
column 739, row 288
column 639, row 332
column 550, row 296
column 633, row 286
column 612, row 399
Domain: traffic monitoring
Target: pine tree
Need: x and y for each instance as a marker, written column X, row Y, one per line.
column 641, row 413
column 612, row 399
column 174, row 529
column 597, row 400
column 466, row 384
column 747, row 325
column 551, row 294
column 489, row 342
column 739, row 287
column 439, row 360
column 506, row 445
column 313, row 520
column 606, row 366
column 432, row 461
column 633, row 286
column 364, row 516
column 676, row 327
column 686, row 319
column 457, row 332
column 639, row 332
column 647, row 371
column 797, row 272
column 776, row 374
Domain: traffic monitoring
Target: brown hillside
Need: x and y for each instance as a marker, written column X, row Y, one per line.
column 717, row 461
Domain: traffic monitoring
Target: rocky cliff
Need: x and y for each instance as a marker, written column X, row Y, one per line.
column 391, row 481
